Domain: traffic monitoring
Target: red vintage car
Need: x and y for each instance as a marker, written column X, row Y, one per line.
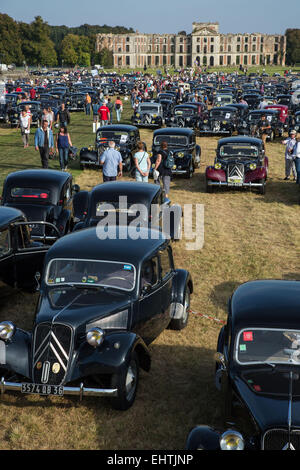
column 283, row 112
column 240, row 162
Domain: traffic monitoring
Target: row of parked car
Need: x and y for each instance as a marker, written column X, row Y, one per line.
column 103, row 301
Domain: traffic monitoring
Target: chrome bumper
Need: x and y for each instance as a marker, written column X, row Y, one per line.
column 78, row 391
column 232, row 185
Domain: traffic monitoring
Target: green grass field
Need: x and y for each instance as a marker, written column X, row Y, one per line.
column 247, row 236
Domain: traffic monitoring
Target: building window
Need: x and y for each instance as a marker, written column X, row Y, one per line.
column 229, row 60
column 238, row 60
column 127, row 47
column 238, row 39
column 221, row 48
column 276, row 47
column 254, row 39
column 157, row 60
column 246, row 39
column 253, row 60
column 198, row 39
column 180, row 61
column 180, row 49
column 238, row 48
column 245, row 60
column 164, row 60
column 198, row 49
column 205, row 39
column 211, row 39
column 205, row 50
column 253, row 48
column 221, row 60
column 229, row 48
column 127, row 60
column 211, row 48
column 127, row 39
column 246, row 48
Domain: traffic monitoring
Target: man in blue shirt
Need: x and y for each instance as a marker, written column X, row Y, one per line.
column 43, row 141
column 111, row 160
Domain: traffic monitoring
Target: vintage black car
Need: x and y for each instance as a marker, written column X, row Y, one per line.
column 148, row 114
column 257, row 371
column 240, row 162
column 20, row 256
column 35, row 113
column 253, row 123
column 184, row 115
column 102, row 301
column 182, row 143
column 125, row 137
column 123, row 202
column 220, row 121
column 253, row 99
column 44, row 196
column 75, row 102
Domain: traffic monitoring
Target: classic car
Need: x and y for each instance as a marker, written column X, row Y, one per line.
column 295, row 124
column 125, row 137
column 257, row 371
column 148, row 114
column 182, row 143
column 252, row 124
column 283, row 116
column 223, row 99
column 240, row 162
column 184, row 115
column 253, row 99
column 219, row 121
column 102, row 302
column 20, row 256
column 122, row 202
column 284, row 99
column 35, row 112
column 75, row 102
column 167, row 107
column 44, row 196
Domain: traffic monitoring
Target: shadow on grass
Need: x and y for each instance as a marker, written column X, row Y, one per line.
column 221, row 293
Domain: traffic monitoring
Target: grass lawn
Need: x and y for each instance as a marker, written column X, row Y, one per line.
column 247, row 236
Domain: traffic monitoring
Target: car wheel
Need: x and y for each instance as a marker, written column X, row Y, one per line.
column 208, row 187
column 190, row 172
column 262, row 189
column 180, row 323
column 126, row 382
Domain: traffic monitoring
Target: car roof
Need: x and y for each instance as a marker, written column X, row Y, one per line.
column 173, row 131
column 9, row 215
column 266, row 303
column 111, row 191
column 240, row 139
column 118, row 127
column 85, row 244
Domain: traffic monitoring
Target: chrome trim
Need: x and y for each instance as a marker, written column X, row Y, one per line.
column 80, row 391
column 288, row 445
column 232, row 185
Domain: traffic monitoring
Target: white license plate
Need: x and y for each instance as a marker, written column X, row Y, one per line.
column 42, row 389
column 235, row 181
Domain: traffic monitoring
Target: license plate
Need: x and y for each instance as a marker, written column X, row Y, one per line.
column 42, row 389
column 235, row 182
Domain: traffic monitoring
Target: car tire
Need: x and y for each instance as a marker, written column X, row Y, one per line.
column 262, row 189
column 180, row 323
column 127, row 383
column 190, row 172
column 208, row 188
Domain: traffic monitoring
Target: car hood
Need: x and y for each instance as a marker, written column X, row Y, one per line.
column 79, row 307
column 266, row 395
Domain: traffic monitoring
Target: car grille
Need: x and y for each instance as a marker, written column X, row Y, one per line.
column 278, row 439
column 235, row 171
column 52, row 347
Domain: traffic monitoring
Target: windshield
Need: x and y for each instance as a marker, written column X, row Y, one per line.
column 259, row 345
column 116, row 136
column 30, row 193
column 91, row 273
column 186, row 111
column 172, row 140
column 220, row 113
column 239, row 150
column 148, row 109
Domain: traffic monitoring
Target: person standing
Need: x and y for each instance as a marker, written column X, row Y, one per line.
column 43, row 141
column 63, row 116
column 118, row 108
column 142, row 163
column 290, row 143
column 104, row 114
column 110, row 106
column 112, row 163
column 63, row 143
column 296, row 155
column 24, row 124
column 88, row 101
column 164, row 174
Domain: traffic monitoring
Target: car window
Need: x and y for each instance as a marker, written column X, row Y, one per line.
column 38, row 194
column 4, row 242
column 149, row 272
column 165, row 263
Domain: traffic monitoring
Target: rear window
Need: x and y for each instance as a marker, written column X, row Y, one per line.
column 30, row 193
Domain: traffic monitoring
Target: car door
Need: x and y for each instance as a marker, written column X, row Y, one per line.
column 150, row 312
column 7, row 267
column 28, row 257
column 166, row 278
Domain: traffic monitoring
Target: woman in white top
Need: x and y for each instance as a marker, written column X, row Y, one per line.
column 297, row 160
column 142, row 163
column 24, row 123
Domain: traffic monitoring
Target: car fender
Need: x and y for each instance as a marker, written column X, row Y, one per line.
column 15, row 354
column 216, row 175
column 62, row 221
column 80, row 204
column 258, row 174
column 110, row 357
column 203, row 438
column 181, row 281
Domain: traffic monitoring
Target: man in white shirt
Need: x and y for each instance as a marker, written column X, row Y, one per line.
column 290, row 143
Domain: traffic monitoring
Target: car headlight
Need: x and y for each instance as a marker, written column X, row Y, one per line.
column 154, row 115
column 232, row 440
column 7, row 330
column 252, row 166
column 180, row 154
column 150, row 154
column 218, row 166
column 137, row 114
column 95, row 337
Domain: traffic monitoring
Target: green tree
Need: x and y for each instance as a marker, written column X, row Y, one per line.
column 10, row 41
column 292, row 46
column 106, row 58
column 37, row 46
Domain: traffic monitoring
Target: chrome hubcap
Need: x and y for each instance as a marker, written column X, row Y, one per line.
column 130, row 382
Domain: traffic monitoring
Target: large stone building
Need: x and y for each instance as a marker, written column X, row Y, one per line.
column 205, row 46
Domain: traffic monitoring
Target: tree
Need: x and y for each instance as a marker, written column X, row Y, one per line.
column 37, row 46
column 106, row 58
column 292, row 46
column 10, row 41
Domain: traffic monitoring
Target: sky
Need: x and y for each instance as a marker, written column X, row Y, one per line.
column 162, row 16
